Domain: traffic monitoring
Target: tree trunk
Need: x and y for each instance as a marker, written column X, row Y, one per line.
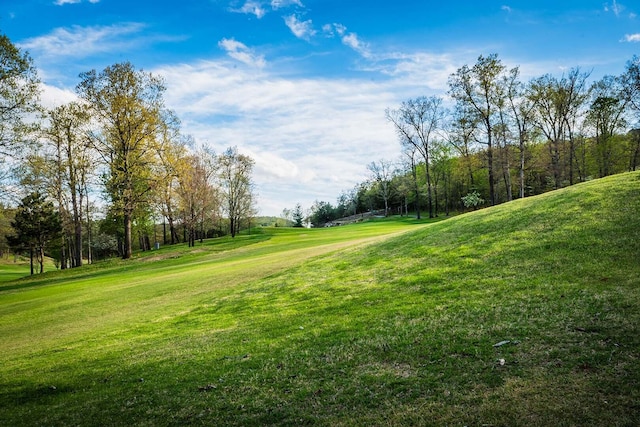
column 522, row 166
column 41, row 258
column 127, row 249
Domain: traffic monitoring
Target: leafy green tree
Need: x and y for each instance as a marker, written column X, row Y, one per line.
column 19, row 92
column 36, row 223
column 478, row 91
column 234, row 174
column 321, row 213
column 128, row 105
column 606, row 116
column 297, row 216
column 72, row 166
column 558, row 106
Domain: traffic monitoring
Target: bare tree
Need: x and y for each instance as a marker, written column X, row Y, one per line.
column 417, row 122
column 522, row 110
column 382, row 173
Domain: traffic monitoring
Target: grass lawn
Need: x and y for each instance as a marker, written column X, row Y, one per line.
column 523, row 314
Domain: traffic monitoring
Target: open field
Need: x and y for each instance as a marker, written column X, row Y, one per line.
column 523, row 314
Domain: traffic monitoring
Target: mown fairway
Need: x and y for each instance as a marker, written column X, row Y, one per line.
column 523, row 314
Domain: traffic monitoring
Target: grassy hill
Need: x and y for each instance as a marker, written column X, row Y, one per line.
column 524, row 314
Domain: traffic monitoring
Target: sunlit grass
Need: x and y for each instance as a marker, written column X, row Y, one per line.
column 356, row 325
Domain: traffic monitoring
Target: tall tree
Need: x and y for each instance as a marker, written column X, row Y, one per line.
column 67, row 132
column 631, row 83
column 19, row 92
column 479, row 90
column 463, row 127
column 195, row 188
column 382, row 173
column 558, row 106
column 36, row 223
column 129, row 106
column 297, row 216
column 416, row 122
column 606, row 116
column 235, row 178
column 410, row 157
column 522, row 109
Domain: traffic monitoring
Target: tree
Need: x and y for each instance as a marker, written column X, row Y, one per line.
column 634, row 145
column 297, row 216
column 606, row 117
column 321, row 213
column 19, row 92
column 196, row 192
column 416, row 123
column 631, row 82
column 129, row 107
column 478, row 91
column 67, row 131
column 472, row 200
column 558, row 105
column 522, row 109
column 36, row 223
column 382, row 173
column 410, row 158
column 234, row 174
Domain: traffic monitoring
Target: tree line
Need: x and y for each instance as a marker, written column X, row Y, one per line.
column 118, row 149
column 500, row 138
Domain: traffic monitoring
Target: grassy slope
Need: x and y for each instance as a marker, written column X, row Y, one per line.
column 288, row 331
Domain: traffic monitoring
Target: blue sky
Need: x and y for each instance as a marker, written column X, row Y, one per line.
column 302, row 85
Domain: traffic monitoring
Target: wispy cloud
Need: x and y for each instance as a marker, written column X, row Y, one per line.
column 348, row 38
column 506, row 8
column 316, row 131
column 632, row 38
column 79, row 41
column 63, row 2
column 280, row 4
column 252, row 8
column 615, row 7
column 239, row 51
column 301, row 29
column 260, row 8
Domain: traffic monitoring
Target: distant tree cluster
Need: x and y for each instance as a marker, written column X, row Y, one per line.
column 117, row 141
column 502, row 138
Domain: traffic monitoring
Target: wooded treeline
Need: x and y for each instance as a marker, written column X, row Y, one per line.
column 501, row 138
column 108, row 167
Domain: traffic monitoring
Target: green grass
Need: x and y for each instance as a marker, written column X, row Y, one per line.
column 12, row 269
column 380, row 323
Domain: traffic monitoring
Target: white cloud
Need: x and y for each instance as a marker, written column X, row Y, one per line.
column 253, row 8
column 63, row 2
column 352, row 40
column 632, row 38
column 52, row 96
column 506, row 8
column 242, row 53
column 614, row 7
column 82, row 41
column 279, row 4
column 348, row 39
column 311, row 138
column 301, row 29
